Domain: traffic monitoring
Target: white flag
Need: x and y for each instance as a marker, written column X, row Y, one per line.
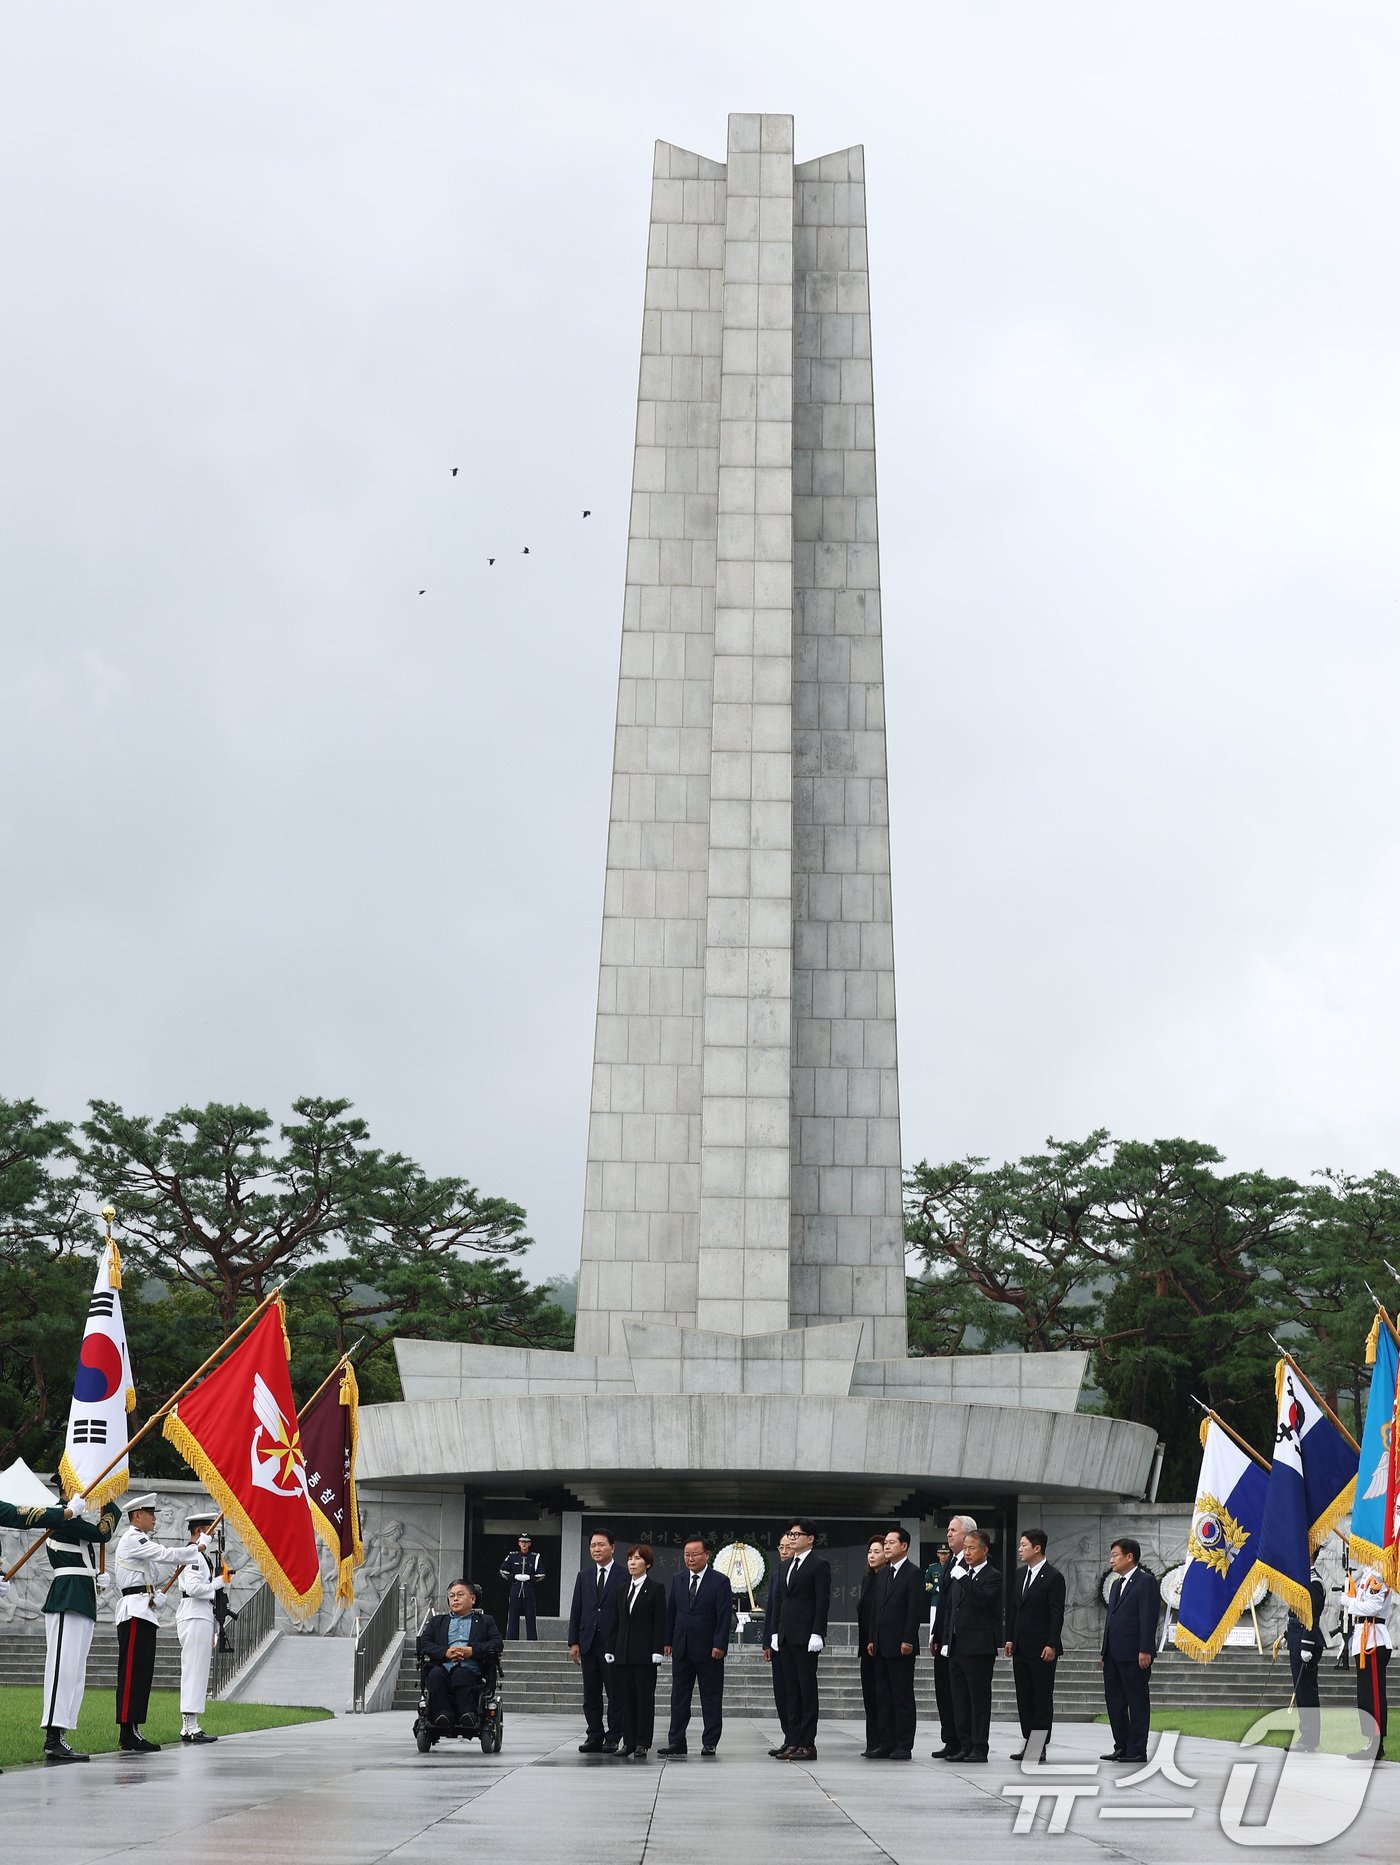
column 103, row 1393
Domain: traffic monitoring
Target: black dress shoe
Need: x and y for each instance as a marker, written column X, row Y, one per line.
column 639, row 1754
column 680, row 1749
column 1018, row 1754
column 610, row 1743
column 591, row 1746
column 875, row 1754
column 979, row 1761
column 941, row 1754
column 800, row 1754
column 901, row 1754
column 954, row 1754
column 1117, row 1755
column 781, row 1749
column 1132, row 1758
column 707, row 1751
column 134, row 1743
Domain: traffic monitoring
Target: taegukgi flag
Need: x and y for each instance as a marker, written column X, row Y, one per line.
column 104, row 1391
column 1372, row 1519
column 1312, row 1484
column 1221, row 1569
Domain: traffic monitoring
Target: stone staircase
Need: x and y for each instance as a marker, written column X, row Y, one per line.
column 540, row 1677
column 22, row 1659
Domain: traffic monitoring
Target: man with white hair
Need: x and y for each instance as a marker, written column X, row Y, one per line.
column 953, row 1575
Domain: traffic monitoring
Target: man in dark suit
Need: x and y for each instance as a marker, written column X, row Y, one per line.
column 1034, row 1641
column 953, row 1575
column 974, row 1639
column 461, row 1647
column 803, row 1611
column 770, row 1657
column 1305, row 1648
column 1129, row 1646
column 592, row 1618
column 898, row 1614
column 699, row 1610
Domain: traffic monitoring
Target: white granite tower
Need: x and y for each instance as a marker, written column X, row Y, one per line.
column 741, row 1318
column 743, row 1158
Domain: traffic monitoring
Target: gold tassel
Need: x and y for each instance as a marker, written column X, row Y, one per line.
column 1278, row 1383
column 1373, row 1340
column 1205, row 1430
column 114, row 1263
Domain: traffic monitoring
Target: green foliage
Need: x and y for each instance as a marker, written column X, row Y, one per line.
column 1174, row 1274
column 216, row 1207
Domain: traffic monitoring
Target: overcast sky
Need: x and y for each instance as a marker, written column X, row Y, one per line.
column 275, row 823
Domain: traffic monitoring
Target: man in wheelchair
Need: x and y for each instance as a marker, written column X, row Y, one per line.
column 460, row 1650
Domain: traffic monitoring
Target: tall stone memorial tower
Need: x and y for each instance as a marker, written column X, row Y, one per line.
column 741, row 1339
column 743, row 1153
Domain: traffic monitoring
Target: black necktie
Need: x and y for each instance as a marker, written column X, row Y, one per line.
column 601, row 1575
column 793, row 1566
column 694, row 1587
column 1027, row 1586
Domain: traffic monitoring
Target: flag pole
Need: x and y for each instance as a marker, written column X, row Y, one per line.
column 1230, row 1432
column 343, row 1361
column 1317, row 1395
column 160, row 1412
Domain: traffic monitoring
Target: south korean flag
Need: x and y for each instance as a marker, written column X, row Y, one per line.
column 104, row 1391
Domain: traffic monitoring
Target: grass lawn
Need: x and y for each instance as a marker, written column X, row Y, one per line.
column 1340, row 1731
column 22, row 1740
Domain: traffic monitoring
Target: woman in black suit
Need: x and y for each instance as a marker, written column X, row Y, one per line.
column 638, row 1638
column 865, row 1627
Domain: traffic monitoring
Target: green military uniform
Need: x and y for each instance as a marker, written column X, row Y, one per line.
column 70, row 1616
column 22, row 1515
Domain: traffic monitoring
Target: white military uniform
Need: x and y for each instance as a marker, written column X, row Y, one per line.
column 1368, row 1602
column 137, row 1566
column 200, row 1586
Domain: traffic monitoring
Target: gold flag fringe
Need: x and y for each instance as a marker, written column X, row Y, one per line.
column 1284, row 1587
column 1330, row 1517
column 1202, row 1651
column 345, row 1567
column 116, row 1483
column 298, row 1605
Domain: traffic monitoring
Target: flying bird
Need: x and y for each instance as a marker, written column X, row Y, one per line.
column 588, row 514
column 454, row 472
column 490, row 560
column 526, row 551
column 422, row 592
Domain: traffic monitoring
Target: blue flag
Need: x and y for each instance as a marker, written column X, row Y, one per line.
column 1221, row 1568
column 1369, row 1527
column 1312, row 1483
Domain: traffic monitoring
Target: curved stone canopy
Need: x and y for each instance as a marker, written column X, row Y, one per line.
column 580, row 1440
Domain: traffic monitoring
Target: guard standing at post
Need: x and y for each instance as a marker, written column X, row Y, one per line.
column 137, row 1563
column 201, row 1583
column 1368, row 1602
column 70, row 1612
column 1305, row 1647
column 524, row 1571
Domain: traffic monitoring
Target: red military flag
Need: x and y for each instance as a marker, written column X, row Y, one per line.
column 238, row 1432
column 330, row 1437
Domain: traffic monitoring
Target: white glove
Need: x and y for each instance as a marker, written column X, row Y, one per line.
column 775, row 1641
column 607, row 1657
column 814, row 1643
column 76, row 1505
column 220, row 1586
column 202, row 1541
column 656, row 1657
column 5, row 1586
column 104, row 1581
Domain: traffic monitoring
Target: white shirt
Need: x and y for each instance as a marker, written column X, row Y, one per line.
column 956, row 1566
column 1032, row 1569
column 136, row 1563
column 199, row 1588
column 896, row 1565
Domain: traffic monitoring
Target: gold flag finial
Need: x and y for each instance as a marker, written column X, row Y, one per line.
column 114, row 1257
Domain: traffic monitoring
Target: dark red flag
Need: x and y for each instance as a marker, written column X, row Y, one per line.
column 330, row 1437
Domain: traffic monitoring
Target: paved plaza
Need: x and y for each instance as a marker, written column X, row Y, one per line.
column 355, row 1791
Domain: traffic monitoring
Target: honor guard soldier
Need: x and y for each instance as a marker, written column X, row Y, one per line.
column 70, row 1617
column 137, row 1562
column 1368, row 1602
column 201, row 1583
column 524, row 1571
column 1305, row 1646
column 22, row 1515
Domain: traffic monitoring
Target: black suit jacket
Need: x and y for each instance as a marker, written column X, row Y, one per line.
column 805, row 1603
column 773, row 1601
column 899, row 1609
column 1131, row 1626
column 1296, row 1636
column 696, row 1634
column 486, row 1641
column 639, row 1633
column 865, row 1608
column 588, row 1622
column 953, row 1576
column 976, row 1623
column 1037, row 1615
